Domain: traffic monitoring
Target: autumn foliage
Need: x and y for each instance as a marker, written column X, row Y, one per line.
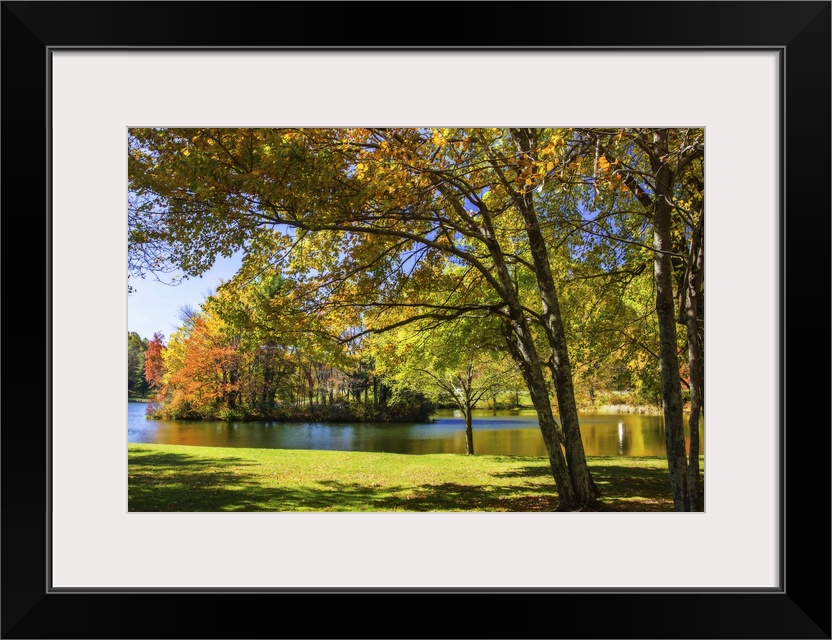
column 582, row 247
column 212, row 369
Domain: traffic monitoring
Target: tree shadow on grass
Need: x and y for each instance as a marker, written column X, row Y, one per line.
column 623, row 487
column 446, row 496
column 182, row 482
column 633, row 488
column 541, row 470
column 178, row 482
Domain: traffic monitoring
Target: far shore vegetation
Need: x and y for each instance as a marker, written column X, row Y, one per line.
column 421, row 409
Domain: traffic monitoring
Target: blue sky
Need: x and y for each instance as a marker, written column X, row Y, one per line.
column 155, row 306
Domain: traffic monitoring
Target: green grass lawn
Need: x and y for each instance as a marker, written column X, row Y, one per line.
column 186, row 478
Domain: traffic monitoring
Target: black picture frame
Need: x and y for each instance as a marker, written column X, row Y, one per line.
column 800, row 608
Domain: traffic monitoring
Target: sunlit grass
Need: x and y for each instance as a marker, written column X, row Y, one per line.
column 187, row 478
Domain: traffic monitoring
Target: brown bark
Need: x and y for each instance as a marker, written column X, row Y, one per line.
column 521, row 346
column 665, row 311
column 469, row 432
column 523, row 351
column 582, row 481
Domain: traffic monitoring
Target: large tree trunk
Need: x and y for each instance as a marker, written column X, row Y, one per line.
column 565, row 393
column 522, row 350
column 568, row 411
column 553, row 324
column 521, row 346
column 665, row 307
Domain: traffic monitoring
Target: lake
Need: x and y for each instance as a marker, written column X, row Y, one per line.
column 514, row 433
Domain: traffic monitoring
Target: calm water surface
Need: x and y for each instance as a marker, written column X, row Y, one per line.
column 502, row 433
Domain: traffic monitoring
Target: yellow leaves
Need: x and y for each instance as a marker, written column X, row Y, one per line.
column 267, row 150
column 360, row 170
column 550, row 165
column 555, row 141
column 403, row 154
column 603, row 163
column 186, row 152
column 438, row 138
column 527, row 178
column 576, row 163
column 522, row 177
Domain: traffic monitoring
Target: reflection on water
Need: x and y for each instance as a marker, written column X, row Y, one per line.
column 497, row 433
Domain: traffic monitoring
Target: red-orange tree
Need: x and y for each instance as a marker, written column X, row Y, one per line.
column 154, row 366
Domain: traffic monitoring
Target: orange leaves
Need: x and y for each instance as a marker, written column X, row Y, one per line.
column 202, row 365
column 463, row 144
column 154, row 368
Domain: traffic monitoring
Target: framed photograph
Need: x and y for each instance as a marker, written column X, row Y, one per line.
column 754, row 77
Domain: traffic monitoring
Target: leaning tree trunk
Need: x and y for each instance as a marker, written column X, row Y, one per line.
column 521, row 346
column 582, row 481
column 668, row 358
column 522, row 350
column 565, row 391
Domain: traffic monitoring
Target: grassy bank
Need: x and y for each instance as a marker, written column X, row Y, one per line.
column 185, row 478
